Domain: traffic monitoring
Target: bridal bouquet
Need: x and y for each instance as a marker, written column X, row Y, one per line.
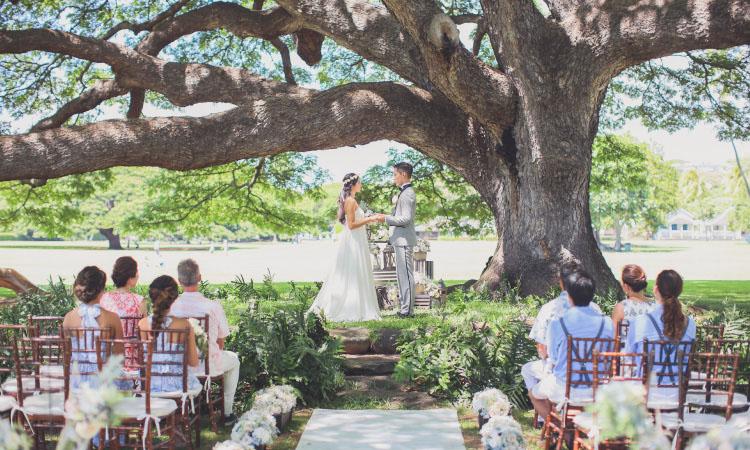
column 275, row 400
column 491, row 402
column 502, row 433
column 255, row 429
column 12, row 439
column 201, row 339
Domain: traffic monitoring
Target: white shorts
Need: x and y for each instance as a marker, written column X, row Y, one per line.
column 553, row 389
column 532, row 372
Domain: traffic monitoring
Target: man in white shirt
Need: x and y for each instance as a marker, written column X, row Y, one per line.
column 534, row 371
column 193, row 304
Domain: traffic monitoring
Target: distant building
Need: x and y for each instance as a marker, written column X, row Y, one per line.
column 682, row 224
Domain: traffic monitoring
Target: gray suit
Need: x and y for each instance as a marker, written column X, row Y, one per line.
column 403, row 239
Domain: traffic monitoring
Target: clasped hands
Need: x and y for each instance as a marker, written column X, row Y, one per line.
column 377, row 218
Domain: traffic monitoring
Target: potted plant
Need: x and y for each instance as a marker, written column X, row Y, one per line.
column 490, row 403
column 255, row 430
column 421, row 249
column 279, row 401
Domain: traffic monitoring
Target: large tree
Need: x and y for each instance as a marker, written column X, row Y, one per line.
column 519, row 130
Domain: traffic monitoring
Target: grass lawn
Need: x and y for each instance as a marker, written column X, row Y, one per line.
column 712, row 294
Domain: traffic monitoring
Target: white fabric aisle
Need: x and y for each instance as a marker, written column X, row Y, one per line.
column 432, row 429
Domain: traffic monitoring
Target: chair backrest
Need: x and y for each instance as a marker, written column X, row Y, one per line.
column 130, row 326
column 741, row 348
column 619, row 367
column 580, row 370
column 666, row 359
column 168, row 361
column 709, row 382
column 47, row 326
column 29, row 367
column 621, row 331
column 136, row 381
column 83, row 348
column 9, row 334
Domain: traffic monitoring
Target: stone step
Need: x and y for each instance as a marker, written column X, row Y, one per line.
column 359, row 340
column 371, row 364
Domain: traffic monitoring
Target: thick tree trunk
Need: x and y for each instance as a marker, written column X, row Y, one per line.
column 618, row 236
column 114, row 239
column 11, row 279
column 540, row 199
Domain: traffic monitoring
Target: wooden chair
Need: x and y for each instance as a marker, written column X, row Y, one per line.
column 83, row 366
column 47, row 326
column 666, row 359
column 706, row 395
column 142, row 416
column 610, row 367
column 740, row 347
column 578, row 391
column 213, row 384
column 8, row 334
column 169, row 365
column 41, row 402
column 48, row 354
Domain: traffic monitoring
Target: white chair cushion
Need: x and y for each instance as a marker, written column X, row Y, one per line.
column 584, row 421
column 718, row 399
column 48, row 404
column 664, row 398
column 693, row 422
column 135, row 407
column 29, row 385
column 177, row 394
column 6, row 403
column 52, row 370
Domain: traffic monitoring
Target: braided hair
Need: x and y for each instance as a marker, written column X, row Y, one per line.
column 350, row 180
column 669, row 284
column 89, row 284
column 163, row 292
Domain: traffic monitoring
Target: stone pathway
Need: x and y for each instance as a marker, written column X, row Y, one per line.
column 432, row 429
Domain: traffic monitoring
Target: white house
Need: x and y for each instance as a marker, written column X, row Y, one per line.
column 681, row 224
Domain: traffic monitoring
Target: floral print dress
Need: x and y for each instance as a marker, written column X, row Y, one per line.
column 124, row 304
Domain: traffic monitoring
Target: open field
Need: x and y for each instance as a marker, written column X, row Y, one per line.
column 311, row 260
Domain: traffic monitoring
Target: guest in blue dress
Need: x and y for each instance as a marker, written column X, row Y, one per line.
column 163, row 292
column 89, row 288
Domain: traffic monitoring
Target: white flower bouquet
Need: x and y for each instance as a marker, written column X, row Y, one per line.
column 201, row 338
column 11, row 438
column 491, row 402
column 374, row 249
column 734, row 435
column 502, row 433
column 620, row 411
column 229, row 445
column 423, row 246
column 255, row 429
column 275, row 400
column 393, row 293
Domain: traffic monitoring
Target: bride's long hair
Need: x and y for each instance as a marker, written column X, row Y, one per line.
column 350, row 180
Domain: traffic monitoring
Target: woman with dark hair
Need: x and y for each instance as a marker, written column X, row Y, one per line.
column 348, row 294
column 634, row 283
column 88, row 289
column 123, row 301
column 163, row 292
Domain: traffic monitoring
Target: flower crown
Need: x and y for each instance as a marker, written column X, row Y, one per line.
column 350, row 178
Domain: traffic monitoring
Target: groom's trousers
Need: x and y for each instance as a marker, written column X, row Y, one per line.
column 405, row 274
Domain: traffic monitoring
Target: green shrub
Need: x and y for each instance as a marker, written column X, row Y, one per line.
column 287, row 347
column 453, row 361
column 55, row 299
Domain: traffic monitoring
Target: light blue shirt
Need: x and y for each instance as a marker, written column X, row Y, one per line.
column 642, row 328
column 580, row 322
column 550, row 312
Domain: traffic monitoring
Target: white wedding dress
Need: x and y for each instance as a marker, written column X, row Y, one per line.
column 348, row 294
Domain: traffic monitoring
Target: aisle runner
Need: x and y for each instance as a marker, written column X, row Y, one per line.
column 432, row 429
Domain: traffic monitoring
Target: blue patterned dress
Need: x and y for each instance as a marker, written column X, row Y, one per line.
column 169, row 383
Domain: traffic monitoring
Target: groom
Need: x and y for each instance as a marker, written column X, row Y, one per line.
column 404, row 236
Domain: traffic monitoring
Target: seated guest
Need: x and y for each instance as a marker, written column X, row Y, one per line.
column 123, row 301
column 634, row 284
column 581, row 320
column 163, row 292
column 666, row 322
column 88, row 289
column 533, row 371
column 193, row 304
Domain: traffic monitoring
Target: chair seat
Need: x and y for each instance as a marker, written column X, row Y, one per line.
column 584, row 421
column 663, row 398
column 6, row 403
column 29, row 384
column 135, row 407
column 55, row 370
column 693, row 422
column 48, row 404
column 177, row 394
column 578, row 397
column 718, row 399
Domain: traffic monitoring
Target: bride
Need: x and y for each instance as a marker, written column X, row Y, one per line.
column 348, row 294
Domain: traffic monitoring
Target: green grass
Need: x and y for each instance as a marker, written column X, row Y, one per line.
column 6, row 293
column 712, row 294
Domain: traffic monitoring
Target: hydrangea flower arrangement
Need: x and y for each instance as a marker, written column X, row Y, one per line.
column 429, row 286
column 502, row 433
column 620, row 411
column 732, row 436
column 11, row 438
column 423, row 246
column 491, row 402
column 275, row 400
column 229, row 445
column 255, row 429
